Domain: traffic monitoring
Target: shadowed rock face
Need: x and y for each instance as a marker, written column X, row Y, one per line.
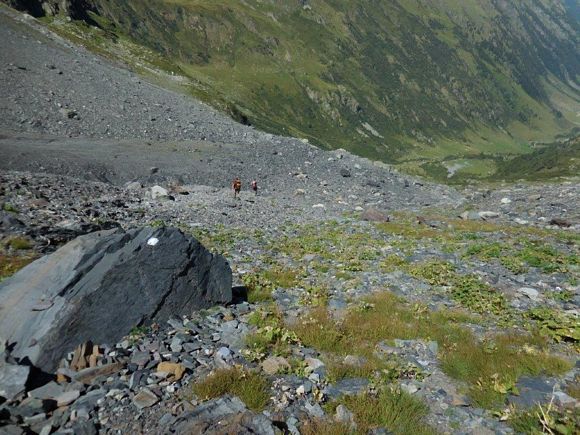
column 76, row 9
column 100, row 285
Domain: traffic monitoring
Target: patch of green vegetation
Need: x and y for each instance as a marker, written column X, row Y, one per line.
column 252, row 388
column 285, row 277
column 555, row 160
column 325, row 427
column 344, row 275
column 436, row 273
column 157, row 223
column 573, row 388
column 338, row 248
column 513, row 264
column 315, row 296
column 489, row 368
column 545, row 419
column 556, row 325
column 407, row 229
column 19, row 243
column 259, row 287
column 469, row 290
column 524, row 252
column 266, row 315
column 270, row 337
column 10, row 264
column 478, row 296
column 486, row 250
column 562, row 295
column 392, row 262
column 379, row 370
column 547, row 258
column 10, row 208
column 219, row 239
column 390, row 408
column 138, row 332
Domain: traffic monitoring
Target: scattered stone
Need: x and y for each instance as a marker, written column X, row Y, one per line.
column 67, row 397
column 470, row 215
column 275, row 364
column 223, row 415
column 354, row 360
column 563, row 400
column 47, row 391
column 134, row 185
column 345, row 173
column 374, row 215
column 409, row 388
column 145, row 399
column 159, row 192
column 87, row 375
column 347, row 387
column 560, row 223
column 531, row 293
column 13, row 379
column 532, row 390
column 313, row 364
column 488, row 215
column 175, row 369
column 68, row 113
column 344, row 415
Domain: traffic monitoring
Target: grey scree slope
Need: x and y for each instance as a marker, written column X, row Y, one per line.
column 99, row 286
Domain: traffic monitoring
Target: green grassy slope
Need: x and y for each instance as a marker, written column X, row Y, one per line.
column 400, row 80
column 550, row 161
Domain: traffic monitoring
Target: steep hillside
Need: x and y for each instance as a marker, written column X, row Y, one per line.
column 404, row 80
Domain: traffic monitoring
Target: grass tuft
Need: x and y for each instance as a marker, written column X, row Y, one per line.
column 390, row 408
column 10, row 264
column 252, row 388
column 19, row 243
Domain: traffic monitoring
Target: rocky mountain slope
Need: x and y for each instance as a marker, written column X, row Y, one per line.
column 367, row 301
column 405, row 81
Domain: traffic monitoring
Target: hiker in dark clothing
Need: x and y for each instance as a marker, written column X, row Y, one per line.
column 255, row 186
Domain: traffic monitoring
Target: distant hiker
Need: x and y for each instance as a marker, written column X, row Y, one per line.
column 237, row 186
column 255, row 186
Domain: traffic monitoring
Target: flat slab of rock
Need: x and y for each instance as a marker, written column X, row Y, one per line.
column 531, row 293
column 346, row 387
column 145, row 399
column 374, row 215
column 85, row 376
column 12, row 380
column 99, row 286
column 224, row 415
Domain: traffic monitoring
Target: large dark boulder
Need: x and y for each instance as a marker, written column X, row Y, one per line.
column 100, row 285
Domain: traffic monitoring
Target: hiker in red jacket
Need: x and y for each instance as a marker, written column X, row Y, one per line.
column 237, row 186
